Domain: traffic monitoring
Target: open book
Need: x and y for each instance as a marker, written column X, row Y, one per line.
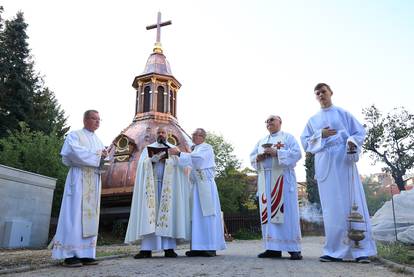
column 162, row 153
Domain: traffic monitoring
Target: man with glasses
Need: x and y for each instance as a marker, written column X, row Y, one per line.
column 275, row 157
column 77, row 229
column 207, row 226
column 336, row 137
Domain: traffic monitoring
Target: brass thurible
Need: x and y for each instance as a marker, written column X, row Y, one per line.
column 355, row 235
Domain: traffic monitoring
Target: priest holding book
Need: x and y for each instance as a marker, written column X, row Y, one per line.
column 160, row 208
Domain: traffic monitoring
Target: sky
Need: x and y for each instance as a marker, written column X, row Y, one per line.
column 238, row 61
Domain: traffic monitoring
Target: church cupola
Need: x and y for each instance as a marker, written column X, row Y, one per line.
column 156, row 88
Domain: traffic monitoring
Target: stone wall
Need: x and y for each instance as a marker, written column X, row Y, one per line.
column 26, row 197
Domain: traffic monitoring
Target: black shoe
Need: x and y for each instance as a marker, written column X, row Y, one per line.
column 270, row 254
column 297, row 255
column 192, row 253
column 212, row 253
column 169, row 253
column 72, row 262
column 363, row 260
column 143, row 254
column 326, row 258
column 207, row 253
column 88, row 261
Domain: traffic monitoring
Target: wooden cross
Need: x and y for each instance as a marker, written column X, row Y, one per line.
column 279, row 145
column 158, row 26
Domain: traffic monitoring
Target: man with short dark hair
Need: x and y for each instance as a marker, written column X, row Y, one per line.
column 77, row 230
column 336, row 138
column 275, row 157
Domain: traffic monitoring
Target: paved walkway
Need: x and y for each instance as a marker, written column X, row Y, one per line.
column 238, row 260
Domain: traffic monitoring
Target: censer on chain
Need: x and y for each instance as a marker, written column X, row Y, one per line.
column 355, row 234
column 354, row 216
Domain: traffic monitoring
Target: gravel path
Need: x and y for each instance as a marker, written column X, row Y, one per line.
column 238, row 260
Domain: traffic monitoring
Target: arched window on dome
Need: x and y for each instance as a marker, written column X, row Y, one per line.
column 175, row 103
column 172, row 102
column 147, row 101
column 160, row 99
column 172, row 139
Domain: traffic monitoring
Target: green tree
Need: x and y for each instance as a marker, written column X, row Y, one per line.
column 32, row 123
column 50, row 117
column 232, row 188
column 390, row 139
column 232, row 184
column 376, row 197
column 17, row 78
column 1, row 19
column 2, row 54
column 1, row 30
column 23, row 95
column 38, row 153
column 225, row 159
column 311, row 184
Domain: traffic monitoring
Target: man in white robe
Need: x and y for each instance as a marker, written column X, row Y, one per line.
column 77, row 229
column 206, row 225
column 275, row 157
column 160, row 208
column 330, row 135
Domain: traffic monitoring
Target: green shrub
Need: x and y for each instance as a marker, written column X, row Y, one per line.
column 245, row 234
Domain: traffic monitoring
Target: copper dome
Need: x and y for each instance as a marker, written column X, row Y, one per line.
column 157, row 63
column 127, row 147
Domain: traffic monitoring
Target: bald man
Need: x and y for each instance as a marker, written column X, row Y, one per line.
column 275, row 157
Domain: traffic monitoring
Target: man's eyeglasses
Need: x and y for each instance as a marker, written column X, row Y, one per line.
column 270, row 120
